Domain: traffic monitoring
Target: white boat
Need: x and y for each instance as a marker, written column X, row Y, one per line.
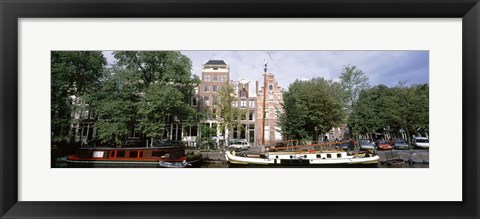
column 173, row 164
column 303, row 158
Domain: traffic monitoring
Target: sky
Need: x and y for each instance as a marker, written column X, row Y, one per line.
column 382, row 67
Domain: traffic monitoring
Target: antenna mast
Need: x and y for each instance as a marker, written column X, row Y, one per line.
column 264, row 98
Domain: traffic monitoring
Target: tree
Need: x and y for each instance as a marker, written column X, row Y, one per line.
column 400, row 108
column 74, row 73
column 311, row 108
column 229, row 115
column 373, row 109
column 353, row 81
column 156, row 86
column 413, row 109
column 116, row 105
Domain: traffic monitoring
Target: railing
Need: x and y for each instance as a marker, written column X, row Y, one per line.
column 324, row 144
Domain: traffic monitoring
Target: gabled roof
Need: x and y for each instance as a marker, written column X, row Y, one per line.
column 215, row 62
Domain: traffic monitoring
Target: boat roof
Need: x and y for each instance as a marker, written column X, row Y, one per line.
column 306, row 152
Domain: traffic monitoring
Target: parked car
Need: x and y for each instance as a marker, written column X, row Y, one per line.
column 400, row 144
column 239, row 144
column 346, row 146
column 366, row 144
column 384, row 145
column 420, row 142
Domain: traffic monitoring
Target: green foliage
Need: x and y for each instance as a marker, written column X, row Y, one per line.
column 353, row 80
column 311, row 107
column 145, row 88
column 116, row 107
column 398, row 107
column 229, row 115
column 73, row 74
column 207, row 134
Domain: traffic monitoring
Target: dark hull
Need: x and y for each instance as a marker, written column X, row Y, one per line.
column 111, row 164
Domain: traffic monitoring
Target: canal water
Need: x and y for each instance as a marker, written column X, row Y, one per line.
column 222, row 164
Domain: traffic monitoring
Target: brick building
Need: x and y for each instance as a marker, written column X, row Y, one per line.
column 273, row 105
column 246, row 100
column 215, row 76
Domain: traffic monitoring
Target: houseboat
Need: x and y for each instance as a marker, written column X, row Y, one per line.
column 303, row 155
column 162, row 155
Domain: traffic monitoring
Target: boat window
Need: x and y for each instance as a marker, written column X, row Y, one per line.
column 329, row 155
column 113, row 154
column 318, row 155
column 339, row 155
column 158, row 153
column 141, row 154
column 98, row 154
column 120, row 154
column 133, row 154
column 85, row 153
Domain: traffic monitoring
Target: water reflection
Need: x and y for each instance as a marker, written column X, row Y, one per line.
column 222, row 164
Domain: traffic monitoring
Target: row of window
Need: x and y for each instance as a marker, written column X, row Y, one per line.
column 215, row 88
column 134, row 154
column 214, row 77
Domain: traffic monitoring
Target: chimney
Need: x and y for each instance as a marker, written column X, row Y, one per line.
column 256, row 87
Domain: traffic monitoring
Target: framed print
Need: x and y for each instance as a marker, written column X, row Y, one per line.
column 420, row 57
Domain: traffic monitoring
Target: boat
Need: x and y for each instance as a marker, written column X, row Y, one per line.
column 166, row 154
column 311, row 156
column 173, row 164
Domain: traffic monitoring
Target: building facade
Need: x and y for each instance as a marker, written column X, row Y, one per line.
column 245, row 101
column 273, row 106
column 215, row 76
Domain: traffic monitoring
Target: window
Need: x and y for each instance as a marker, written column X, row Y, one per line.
column 279, row 97
column 266, row 114
column 214, row 113
column 215, row 77
column 85, row 114
column 250, row 115
column 214, row 88
column 329, row 155
column 270, row 97
column 267, row 132
column 270, row 87
column 98, row 154
column 120, row 154
column 214, row 101
column 207, row 101
column 339, row 155
column 223, row 78
column 278, row 135
column 158, row 153
column 243, row 93
column 194, row 101
column 207, row 88
column 207, row 78
column 252, row 103
column 277, row 112
column 243, row 103
column 92, row 114
column 133, row 154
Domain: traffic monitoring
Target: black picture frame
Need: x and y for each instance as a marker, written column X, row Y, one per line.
column 11, row 11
